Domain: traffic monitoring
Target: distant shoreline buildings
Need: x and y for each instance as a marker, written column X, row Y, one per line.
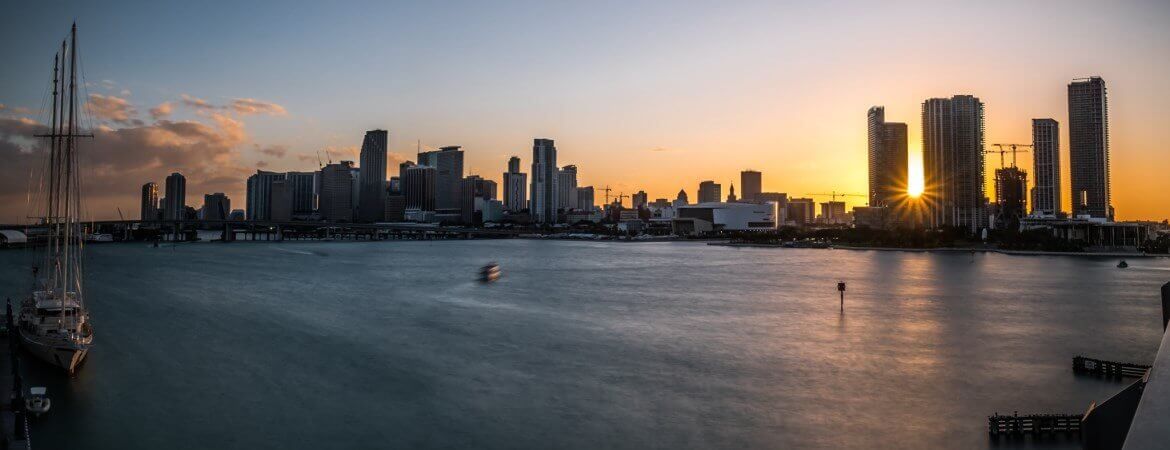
column 436, row 188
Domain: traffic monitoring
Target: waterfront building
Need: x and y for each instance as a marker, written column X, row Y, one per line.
column 336, row 192
column 448, row 164
column 515, row 186
column 781, row 201
column 709, row 192
column 258, row 202
column 800, row 211
column 888, row 159
column 585, row 200
column 726, row 216
column 544, row 181
column 150, row 201
column 237, row 215
column 1046, row 167
column 872, row 217
column 953, row 162
column 639, row 199
column 750, row 184
column 304, row 193
column 372, row 178
column 476, row 191
column 216, row 206
column 418, row 187
column 567, row 187
column 1088, row 145
column 280, row 202
column 175, row 203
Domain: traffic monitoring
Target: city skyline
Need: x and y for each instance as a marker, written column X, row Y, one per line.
column 624, row 131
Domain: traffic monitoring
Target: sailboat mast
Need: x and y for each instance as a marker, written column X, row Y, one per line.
column 50, row 206
column 69, row 160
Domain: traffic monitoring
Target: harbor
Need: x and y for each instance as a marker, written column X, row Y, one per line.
column 402, row 344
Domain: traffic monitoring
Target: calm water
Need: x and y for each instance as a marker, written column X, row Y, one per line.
column 582, row 345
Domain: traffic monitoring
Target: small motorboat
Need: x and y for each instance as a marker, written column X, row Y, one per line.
column 36, row 402
column 489, row 273
column 1122, row 264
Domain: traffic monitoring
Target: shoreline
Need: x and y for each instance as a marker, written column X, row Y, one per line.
column 953, row 250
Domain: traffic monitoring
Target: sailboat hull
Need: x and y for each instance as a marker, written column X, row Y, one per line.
column 65, row 355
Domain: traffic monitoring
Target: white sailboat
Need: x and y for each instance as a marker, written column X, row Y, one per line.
column 53, row 322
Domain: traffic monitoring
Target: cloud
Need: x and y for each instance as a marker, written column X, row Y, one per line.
column 660, row 149
column 124, row 92
column 17, row 110
column 272, row 150
column 162, row 111
column 306, row 158
column 197, row 103
column 109, row 107
column 261, row 164
column 246, row 106
column 117, row 161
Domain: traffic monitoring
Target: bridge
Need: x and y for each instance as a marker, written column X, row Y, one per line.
column 233, row 230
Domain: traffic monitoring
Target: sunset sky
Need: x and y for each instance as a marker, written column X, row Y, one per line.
column 639, row 95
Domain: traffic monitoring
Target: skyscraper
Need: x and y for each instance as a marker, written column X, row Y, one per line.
column 476, row 191
column 709, row 191
column 750, row 185
column 640, row 199
column 372, row 179
column 304, row 192
column 585, row 198
column 1046, row 167
column 567, row 187
column 216, row 206
column 150, row 201
column 175, row 205
column 1088, row 148
column 280, row 202
column 448, row 164
column 952, row 160
column 418, row 186
column 888, row 159
column 515, row 186
column 336, row 194
column 258, row 203
column 544, row 181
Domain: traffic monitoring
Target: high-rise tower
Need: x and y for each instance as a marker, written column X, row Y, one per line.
column 1046, row 167
column 888, row 159
column 372, row 178
column 1088, row 148
column 953, row 164
column 544, row 181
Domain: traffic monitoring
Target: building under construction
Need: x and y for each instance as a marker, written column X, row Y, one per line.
column 1011, row 190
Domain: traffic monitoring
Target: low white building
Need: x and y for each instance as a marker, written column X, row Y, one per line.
column 732, row 216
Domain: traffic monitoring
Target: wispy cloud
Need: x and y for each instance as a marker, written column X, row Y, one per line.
column 246, row 106
column 197, row 103
column 276, row 150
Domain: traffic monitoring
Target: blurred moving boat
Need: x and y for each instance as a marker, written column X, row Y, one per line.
column 53, row 322
column 1122, row 264
column 489, row 273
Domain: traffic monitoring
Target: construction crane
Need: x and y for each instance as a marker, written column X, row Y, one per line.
column 120, row 216
column 1013, row 149
column 607, row 189
column 319, row 165
column 833, row 195
column 619, row 198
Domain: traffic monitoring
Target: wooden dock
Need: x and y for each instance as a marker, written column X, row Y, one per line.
column 1108, row 369
column 13, row 419
column 1034, row 424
